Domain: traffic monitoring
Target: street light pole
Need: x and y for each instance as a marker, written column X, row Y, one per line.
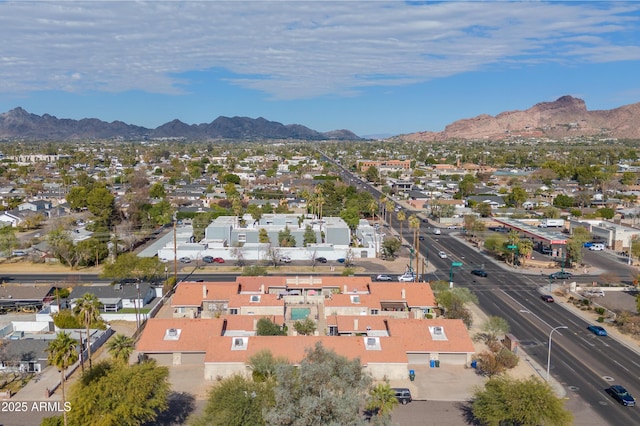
column 549, row 352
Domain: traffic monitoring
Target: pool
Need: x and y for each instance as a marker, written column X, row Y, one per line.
column 299, row 313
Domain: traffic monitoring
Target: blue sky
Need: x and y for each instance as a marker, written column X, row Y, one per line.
column 373, row 67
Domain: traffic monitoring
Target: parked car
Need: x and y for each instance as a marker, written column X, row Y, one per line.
column 207, row 259
column 594, row 293
column 597, row 330
column 218, row 260
column 341, row 260
column 436, row 231
column 285, row 259
column 403, row 395
column 442, row 255
column 321, row 259
column 452, row 227
column 547, row 298
column 479, row 272
column 560, row 275
column 406, row 278
column 383, row 277
column 588, row 244
column 185, row 260
column 597, row 247
column 620, row 394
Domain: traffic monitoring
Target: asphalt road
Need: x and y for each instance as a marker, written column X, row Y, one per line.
column 584, row 363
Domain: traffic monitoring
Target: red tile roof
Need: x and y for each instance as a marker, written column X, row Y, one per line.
column 194, row 334
column 193, row 293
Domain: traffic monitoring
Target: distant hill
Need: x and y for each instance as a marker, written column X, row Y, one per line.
column 20, row 124
column 565, row 117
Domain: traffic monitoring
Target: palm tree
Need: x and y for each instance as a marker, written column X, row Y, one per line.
column 390, row 206
column 63, row 354
column 373, row 206
column 120, row 348
column 382, row 399
column 88, row 311
column 401, row 218
column 414, row 223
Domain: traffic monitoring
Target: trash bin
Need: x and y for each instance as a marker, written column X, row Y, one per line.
column 412, row 375
column 474, row 364
column 432, row 363
column 437, row 363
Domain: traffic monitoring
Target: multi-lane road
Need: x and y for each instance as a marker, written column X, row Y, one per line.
column 585, row 364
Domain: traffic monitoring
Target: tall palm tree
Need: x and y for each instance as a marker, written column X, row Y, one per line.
column 414, row 223
column 401, row 218
column 390, row 206
column 120, row 348
column 373, row 206
column 382, row 399
column 88, row 311
column 63, row 354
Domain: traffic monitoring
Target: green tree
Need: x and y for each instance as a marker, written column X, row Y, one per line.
column 528, row 402
column 309, row 236
column 466, row 186
column 77, row 198
column 453, row 301
column 87, row 310
column 573, row 252
column 101, row 203
column 116, row 393
column 237, row 401
column 263, row 236
column 263, row 365
column 606, row 213
column 372, row 174
column 517, row 196
column 62, row 353
column 121, row 347
column 402, row 216
column 326, row 389
column 390, row 246
column 382, row 399
column 563, row 201
column 483, row 209
column 266, row 327
column 285, row 238
column 129, row 265
column 494, row 327
column 157, row 191
column 305, row 327
column 63, row 248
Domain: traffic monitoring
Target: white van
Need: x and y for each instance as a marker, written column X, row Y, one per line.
column 597, row 247
column 436, row 231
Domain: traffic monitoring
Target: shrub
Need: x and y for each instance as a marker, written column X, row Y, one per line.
column 600, row 311
column 600, row 319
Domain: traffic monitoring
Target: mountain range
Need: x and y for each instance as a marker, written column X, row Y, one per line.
column 565, row 117
column 20, row 124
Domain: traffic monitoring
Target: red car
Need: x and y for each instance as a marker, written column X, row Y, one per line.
column 547, row 298
column 218, row 260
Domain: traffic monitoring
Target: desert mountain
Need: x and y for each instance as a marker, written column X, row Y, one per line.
column 565, row 117
column 20, row 124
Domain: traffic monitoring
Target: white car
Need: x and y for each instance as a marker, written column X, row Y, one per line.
column 285, row 259
column 442, row 255
column 406, row 278
column 383, row 277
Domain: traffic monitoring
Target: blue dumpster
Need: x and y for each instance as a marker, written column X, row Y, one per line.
column 432, row 363
column 474, row 364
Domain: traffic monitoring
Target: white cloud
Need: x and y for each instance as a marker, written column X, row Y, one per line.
column 298, row 49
